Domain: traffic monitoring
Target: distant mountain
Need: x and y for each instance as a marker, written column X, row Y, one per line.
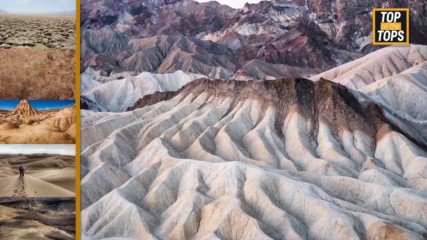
column 64, row 13
column 217, row 41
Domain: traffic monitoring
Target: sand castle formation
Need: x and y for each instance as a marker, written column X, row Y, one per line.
column 24, row 109
column 27, row 125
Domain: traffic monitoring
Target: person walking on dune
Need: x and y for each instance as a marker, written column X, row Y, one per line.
column 21, row 170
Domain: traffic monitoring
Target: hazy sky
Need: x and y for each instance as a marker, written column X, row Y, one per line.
column 37, row 104
column 233, row 3
column 63, row 149
column 37, row 6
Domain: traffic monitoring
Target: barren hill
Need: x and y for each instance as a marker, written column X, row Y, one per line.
column 25, row 125
column 395, row 78
column 216, row 40
column 254, row 160
column 24, row 109
column 225, row 137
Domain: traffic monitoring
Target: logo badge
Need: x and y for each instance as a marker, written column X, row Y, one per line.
column 390, row 26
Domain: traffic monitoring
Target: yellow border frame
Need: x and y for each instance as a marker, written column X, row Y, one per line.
column 374, row 27
column 77, row 100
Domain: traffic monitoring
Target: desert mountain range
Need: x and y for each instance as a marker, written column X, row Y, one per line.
column 275, row 121
column 216, row 40
column 258, row 155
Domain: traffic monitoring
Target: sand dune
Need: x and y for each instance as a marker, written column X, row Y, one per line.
column 37, row 218
column 29, row 186
column 284, row 159
column 46, row 176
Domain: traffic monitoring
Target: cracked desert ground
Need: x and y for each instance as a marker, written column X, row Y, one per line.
column 40, row 31
column 39, row 54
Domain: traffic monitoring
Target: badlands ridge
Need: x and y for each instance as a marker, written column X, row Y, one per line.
column 25, row 125
column 283, row 159
column 322, row 136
